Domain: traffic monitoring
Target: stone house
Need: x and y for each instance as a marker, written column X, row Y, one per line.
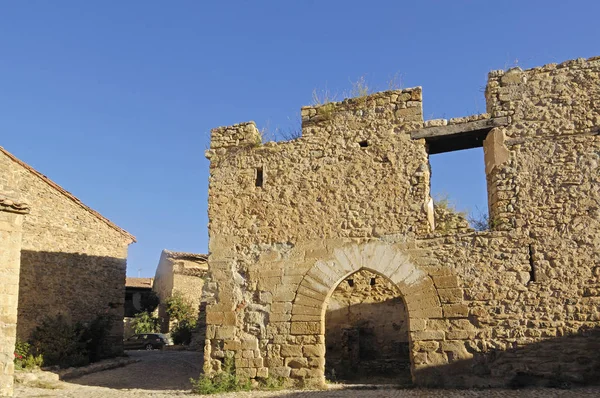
column 179, row 272
column 325, row 253
column 72, row 259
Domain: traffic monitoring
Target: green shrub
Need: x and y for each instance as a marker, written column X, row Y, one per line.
column 144, row 322
column 182, row 332
column 179, row 308
column 224, row 381
column 95, row 335
column 65, row 344
column 24, row 358
column 272, row 383
column 182, row 312
column 59, row 342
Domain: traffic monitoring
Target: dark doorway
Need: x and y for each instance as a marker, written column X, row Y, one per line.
column 366, row 332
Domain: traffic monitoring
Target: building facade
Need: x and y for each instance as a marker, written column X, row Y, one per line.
column 341, row 219
column 73, row 260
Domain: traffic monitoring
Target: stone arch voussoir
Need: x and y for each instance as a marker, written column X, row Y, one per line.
column 415, row 285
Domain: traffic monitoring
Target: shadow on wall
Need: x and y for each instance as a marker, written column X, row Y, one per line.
column 368, row 341
column 75, row 285
column 556, row 362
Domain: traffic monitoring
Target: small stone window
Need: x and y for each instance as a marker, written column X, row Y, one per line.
column 259, row 177
column 351, row 282
column 373, row 281
column 532, row 275
column 363, row 144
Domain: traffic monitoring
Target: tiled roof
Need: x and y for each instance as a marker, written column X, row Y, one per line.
column 67, row 194
column 139, row 282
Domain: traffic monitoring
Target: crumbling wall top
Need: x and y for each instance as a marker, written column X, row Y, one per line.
column 381, row 104
column 238, row 134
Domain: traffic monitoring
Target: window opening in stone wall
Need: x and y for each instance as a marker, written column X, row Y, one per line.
column 459, row 191
column 532, row 276
column 259, row 176
column 363, row 144
column 366, row 331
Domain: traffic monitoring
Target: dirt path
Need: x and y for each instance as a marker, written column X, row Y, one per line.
column 165, row 374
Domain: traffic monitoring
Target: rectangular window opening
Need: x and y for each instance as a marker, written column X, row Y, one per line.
column 363, row 144
column 259, row 177
column 459, row 191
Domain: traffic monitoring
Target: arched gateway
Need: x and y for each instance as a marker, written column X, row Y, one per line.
column 318, row 284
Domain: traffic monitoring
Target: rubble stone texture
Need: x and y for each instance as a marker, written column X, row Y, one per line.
column 519, row 303
column 73, row 260
column 11, row 222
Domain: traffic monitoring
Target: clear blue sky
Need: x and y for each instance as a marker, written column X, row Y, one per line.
column 114, row 100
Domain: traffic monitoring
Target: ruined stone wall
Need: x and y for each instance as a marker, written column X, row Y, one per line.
column 277, row 209
column 72, row 261
column 179, row 272
column 11, row 221
column 290, row 221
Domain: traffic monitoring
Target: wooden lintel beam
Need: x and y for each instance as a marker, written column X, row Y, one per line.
column 455, row 129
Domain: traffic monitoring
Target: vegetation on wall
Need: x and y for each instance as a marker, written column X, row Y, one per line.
column 227, row 381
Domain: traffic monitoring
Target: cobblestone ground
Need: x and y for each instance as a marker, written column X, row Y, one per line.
column 163, row 374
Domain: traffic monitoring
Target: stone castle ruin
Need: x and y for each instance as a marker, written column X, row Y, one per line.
column 326, row 260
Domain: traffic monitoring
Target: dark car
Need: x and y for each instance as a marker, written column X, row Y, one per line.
column 147, row 341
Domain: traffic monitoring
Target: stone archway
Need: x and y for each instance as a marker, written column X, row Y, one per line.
column 318, row 284
column 366, row 331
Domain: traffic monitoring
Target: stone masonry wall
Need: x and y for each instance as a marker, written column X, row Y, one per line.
column 73, row 261
column 179, row 272
column 11, row 221
column 289, row 221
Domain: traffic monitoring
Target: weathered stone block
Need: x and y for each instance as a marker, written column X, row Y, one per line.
column 296, row 363
column 305, row 328
column 281, row 371
column 455, row 310
column 262, row 373
column 313, row 350
column 225, row 332
column 428, row 335
column 298, row 373
column 426, row 346
column 246, row 373
column 454, row 295
column 291, row 350
column 445, row 281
